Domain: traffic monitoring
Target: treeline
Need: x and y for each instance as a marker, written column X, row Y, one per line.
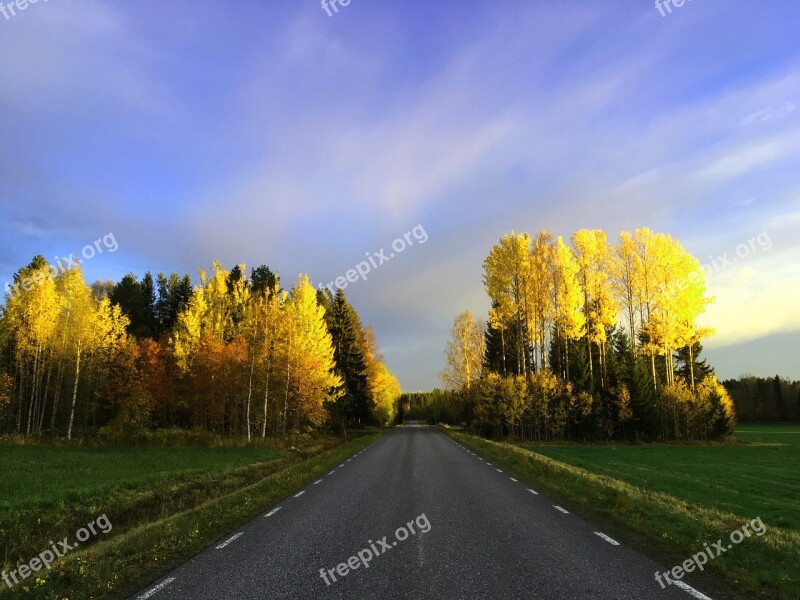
column 438, row 406
column 765, row 399
column 234, row 356
column 590, row 340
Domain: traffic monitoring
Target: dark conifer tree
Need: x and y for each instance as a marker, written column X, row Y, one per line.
column 262, row 279
column 129, row 295
column 699, row 368
column 355, row 405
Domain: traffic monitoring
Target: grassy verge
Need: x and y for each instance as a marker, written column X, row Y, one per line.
column 50, row 491
column 669, row 528
column 128, row 560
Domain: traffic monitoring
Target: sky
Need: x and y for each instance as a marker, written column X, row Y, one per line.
column 269, row 132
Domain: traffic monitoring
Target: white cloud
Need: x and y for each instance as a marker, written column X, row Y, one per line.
column 741, row 160
column 756, row 294
column 768, row 114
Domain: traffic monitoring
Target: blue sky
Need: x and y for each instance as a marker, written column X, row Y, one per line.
column 268, row 132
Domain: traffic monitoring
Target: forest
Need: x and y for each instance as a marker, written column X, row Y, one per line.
column 590, row 340
column 765, row 399
column 233, row 356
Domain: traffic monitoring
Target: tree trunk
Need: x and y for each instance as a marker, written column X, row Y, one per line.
column 250, row 392
column 503, row 349
column 74, row 392
column 266, row 393
column 288, row 372
column 653, row 368
column 46, row 390
column 57, row 395
column 32, row 404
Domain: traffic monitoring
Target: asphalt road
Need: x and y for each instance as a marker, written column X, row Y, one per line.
column 477, row 534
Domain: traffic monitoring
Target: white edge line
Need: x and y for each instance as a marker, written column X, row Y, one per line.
column 499, row 470
column 300, row 493
column 512, row 479
column 691, row 591
column 228, row 541
column 563, row 510
column 318, row 481
column 534, row 492
column 611, row 541
column 156, row 589
column 331, row 473
column 272, row 512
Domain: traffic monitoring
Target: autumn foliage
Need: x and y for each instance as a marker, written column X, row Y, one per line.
column 590, row 340
column 232, row 356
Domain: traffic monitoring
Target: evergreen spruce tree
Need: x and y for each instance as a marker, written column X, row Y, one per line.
column 129, row 295
column 349, row 345
column 690, row 367
column 502, row 349
column 262, row 279
column 579, row 374
column 149, row 299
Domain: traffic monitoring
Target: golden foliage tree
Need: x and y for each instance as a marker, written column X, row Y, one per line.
column 464, row 353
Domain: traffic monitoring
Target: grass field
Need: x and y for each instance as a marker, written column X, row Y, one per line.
column 50, row 491
column 45, row 475
column 42, row 475
column 760, row 478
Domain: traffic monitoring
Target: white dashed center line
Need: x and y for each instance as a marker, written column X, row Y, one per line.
column 606, row 538
column 691, row 591
column 229, row 540
column 156, row 589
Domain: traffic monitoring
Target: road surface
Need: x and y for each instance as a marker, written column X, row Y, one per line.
column 477, row 533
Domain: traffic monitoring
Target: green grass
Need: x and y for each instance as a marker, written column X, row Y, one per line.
column 48, row 492
column 45, row 475
column 761, row 478
column 202, row 508
column 657, row 518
